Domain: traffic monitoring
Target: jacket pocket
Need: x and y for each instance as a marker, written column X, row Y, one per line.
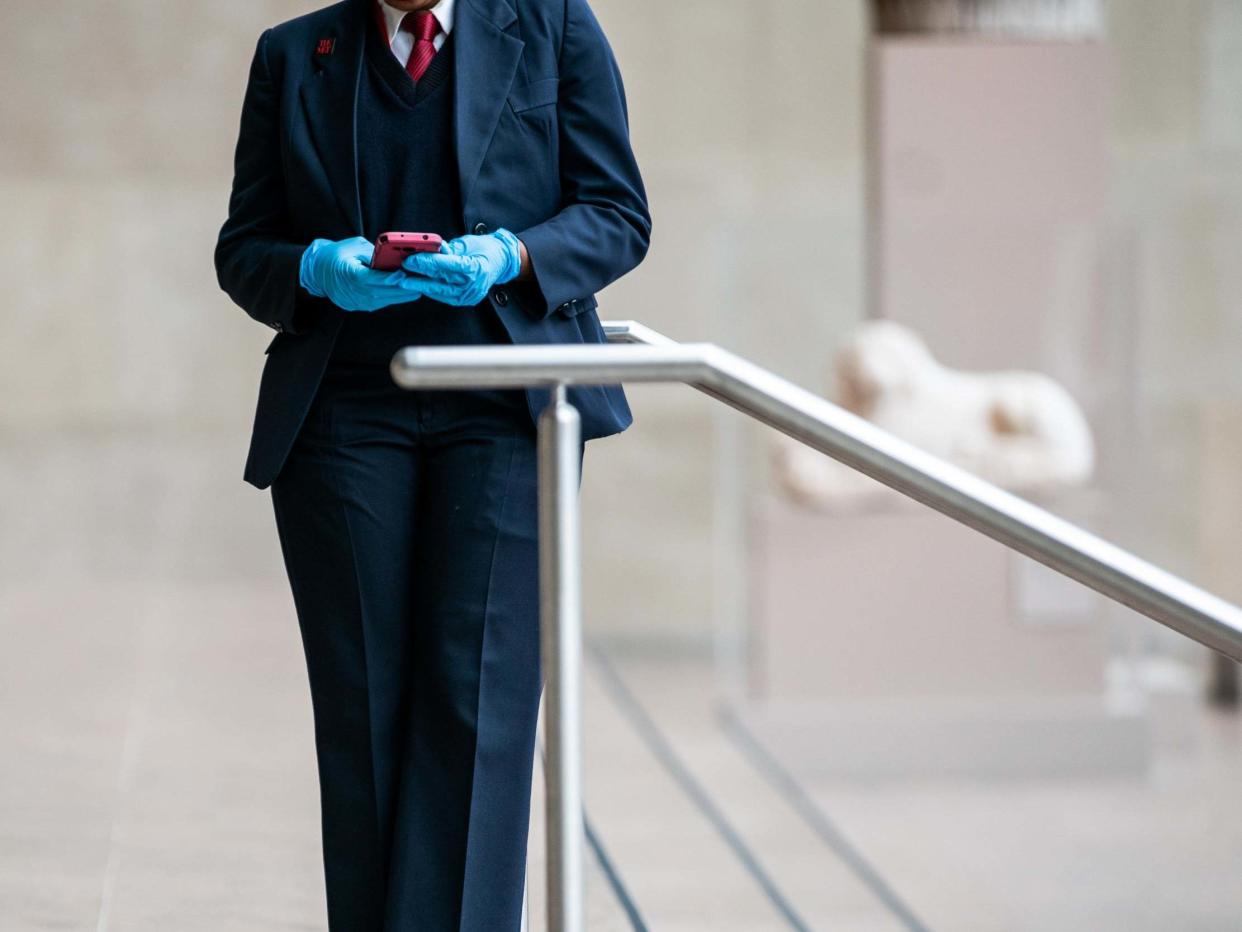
column 536, row 94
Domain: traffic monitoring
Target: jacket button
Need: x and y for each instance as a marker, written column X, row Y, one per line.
column 480, row 229
column 502, row 297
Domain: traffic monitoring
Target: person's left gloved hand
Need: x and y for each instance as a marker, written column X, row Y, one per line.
column 468, row 267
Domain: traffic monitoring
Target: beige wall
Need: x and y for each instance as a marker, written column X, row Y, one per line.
column 1176, row 237
column 128, row 379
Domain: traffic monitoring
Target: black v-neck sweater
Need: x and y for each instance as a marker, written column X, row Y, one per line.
column 407, row 176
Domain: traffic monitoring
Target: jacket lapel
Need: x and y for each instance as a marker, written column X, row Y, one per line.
column 487, row 60
column 330, row 96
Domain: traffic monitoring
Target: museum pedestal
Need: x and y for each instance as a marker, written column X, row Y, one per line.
column 898, row 642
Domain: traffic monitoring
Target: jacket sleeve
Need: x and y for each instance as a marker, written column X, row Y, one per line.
column 257, row 261
column 604, row 227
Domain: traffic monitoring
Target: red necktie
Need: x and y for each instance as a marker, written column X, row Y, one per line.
column 425, row 28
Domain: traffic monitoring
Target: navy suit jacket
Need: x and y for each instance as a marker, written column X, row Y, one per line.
column 543, row 150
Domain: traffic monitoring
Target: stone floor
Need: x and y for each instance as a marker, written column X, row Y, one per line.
column 157, row 776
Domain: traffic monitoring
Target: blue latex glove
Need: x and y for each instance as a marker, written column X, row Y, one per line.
column 339, row 271
column 466, row 268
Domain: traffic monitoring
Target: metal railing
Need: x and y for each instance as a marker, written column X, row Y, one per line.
column 802, row 415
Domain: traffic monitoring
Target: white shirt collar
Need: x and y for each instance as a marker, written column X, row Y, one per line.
column 442, row 11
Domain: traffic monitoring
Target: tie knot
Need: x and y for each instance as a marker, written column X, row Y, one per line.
column 423, row 24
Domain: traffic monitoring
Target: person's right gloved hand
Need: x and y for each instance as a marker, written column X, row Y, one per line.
column 340, row 271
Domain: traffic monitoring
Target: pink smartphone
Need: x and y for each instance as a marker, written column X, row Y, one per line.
column 391, row 248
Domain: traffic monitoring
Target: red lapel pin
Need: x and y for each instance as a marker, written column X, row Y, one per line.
column 325, row 46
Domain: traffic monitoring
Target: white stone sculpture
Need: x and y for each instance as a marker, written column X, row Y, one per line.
column 1019, row 430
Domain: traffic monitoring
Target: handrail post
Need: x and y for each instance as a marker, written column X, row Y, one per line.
column 560, row 619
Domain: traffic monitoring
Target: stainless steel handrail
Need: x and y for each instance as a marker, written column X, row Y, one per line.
column 755, row 391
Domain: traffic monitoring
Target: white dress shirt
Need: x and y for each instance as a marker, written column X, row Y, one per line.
column 402, row 42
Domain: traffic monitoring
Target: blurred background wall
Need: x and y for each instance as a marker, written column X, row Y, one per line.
column 128, row 379
column 153, row 666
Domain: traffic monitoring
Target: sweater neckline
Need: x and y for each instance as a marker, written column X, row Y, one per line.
column 408, row 91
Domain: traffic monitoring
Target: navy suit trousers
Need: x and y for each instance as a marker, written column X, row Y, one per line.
column 408, row 523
